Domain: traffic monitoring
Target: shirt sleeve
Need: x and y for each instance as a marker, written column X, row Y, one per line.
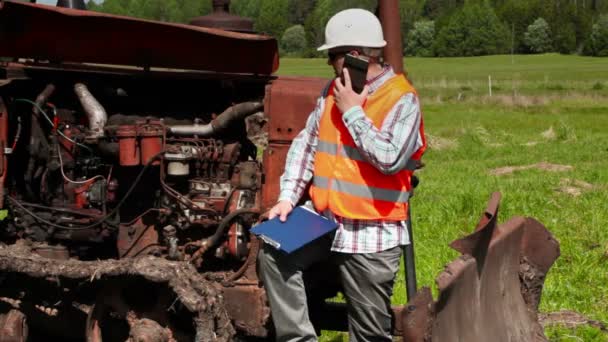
column 300, row 158
column 390, row 147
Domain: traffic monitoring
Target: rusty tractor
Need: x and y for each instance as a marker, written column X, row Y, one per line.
column 130, row 179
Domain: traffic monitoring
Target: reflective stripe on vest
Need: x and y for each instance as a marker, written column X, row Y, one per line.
column 362, row 191
column 354, row 154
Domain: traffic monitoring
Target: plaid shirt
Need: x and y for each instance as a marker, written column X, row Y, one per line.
column 387, row 148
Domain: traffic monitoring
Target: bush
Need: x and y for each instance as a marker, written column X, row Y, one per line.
column 538, row 36
column 474, row 30
column 293, row 41
column 421, row 38
column 599, row 37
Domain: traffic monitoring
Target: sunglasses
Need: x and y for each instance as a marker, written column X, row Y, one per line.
column 333, row 55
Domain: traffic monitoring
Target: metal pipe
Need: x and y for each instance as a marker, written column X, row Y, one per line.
column 39, row 146
column 233, row 113
column 388, row 12
column 76, row 4
column 94, row 110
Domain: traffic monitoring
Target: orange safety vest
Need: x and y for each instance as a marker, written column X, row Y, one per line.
column 343, row 180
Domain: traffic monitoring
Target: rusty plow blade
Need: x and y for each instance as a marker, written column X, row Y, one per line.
column 492, row 291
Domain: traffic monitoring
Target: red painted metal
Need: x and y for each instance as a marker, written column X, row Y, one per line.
column 129, row 147
column 247, row 307
column 274, row 163
column 69, row 35
column 288, row 102
column 151, row 142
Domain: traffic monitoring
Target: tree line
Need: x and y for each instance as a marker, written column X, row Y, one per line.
column 441, row 28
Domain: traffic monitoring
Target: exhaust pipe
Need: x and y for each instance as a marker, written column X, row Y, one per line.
column 76, row 4
column 94, row 110
column 233, row 113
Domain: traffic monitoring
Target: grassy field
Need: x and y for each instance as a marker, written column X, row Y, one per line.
column 546, row 108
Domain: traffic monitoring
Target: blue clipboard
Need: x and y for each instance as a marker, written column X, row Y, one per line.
column 301, row 227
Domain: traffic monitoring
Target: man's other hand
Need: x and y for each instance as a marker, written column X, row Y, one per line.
column 281, row 209
column 345, row 97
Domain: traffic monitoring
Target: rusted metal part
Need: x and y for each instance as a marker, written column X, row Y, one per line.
column 414, row 322
column 388, row 12
column 3, row 144
column 13, row 327
column 222, row 19
column 95, row 112
column 110, row 39
column 287, row 104
column 539, row 251
column 221, row 122
column 492, row 298
column 274, row 163
column 477, row 243
column 197, row 295
column 248, row 308
column 137, row 237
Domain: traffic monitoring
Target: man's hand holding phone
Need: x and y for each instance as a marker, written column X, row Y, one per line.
column 345, row 97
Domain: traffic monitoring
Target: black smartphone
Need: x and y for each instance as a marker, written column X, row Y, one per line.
column 357, row 69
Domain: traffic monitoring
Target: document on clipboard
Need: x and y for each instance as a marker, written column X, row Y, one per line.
column 301, row 227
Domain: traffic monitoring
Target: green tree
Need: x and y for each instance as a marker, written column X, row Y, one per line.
column 273, row 18
column 299, row 9
column 538, row 36
column 246, row 8
column 93, row 6
column 599, row 37
column 473, row 30
column 410, row 12
column 421, row 38
column 517, row 16
column 315, row 25
column 293, row 41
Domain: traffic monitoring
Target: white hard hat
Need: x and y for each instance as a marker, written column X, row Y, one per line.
column 353, row 27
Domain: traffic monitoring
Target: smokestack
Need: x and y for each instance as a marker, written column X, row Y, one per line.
column 75, row 4
column 222, row 19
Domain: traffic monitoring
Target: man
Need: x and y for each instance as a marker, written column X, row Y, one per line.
column 359, row 151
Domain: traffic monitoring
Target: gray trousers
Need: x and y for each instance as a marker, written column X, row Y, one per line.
column 367, row 280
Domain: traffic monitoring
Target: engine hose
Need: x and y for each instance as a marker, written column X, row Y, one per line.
column 220, row 231
column 101, row 220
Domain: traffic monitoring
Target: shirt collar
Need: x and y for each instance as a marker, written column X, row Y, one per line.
column 377, row 81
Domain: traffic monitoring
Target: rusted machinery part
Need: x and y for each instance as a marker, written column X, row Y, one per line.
column 148, row 323
column 233, row 113
column 13, row 326
column 133, row 42
column 198, row 295
column 491, row 292
column 95, row 112
column 539, row 252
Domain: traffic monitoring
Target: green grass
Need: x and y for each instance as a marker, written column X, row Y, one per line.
column 557, row 112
